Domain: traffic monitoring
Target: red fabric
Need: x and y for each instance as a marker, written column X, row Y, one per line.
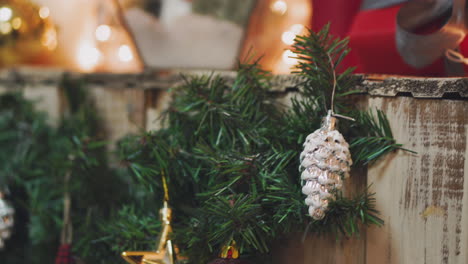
column 340, row 14
column 372, row 37
column 464, row 51
column 64, row 255
column 372, row 40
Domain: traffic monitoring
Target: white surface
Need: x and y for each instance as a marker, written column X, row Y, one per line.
column 189, row 41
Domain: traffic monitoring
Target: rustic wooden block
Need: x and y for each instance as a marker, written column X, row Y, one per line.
column 422, row 197
column 327, row 249
column 122, row 111
column 39, row 85
column 320, row 249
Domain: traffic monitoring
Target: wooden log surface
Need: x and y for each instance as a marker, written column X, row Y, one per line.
column 328, row 248
column 422, row 197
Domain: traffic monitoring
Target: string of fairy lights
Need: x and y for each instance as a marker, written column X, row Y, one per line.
column 21, row 21
column 107, row 44
column 294, row 13
column 90, row 55
column 97, row 39
column 110, row 45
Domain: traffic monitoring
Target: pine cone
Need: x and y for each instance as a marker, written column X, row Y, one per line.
column 324, row 162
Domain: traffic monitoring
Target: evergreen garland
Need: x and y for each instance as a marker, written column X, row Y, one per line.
column 24, row 135
column 34, row 158
column 231, row 154
column 229, row 150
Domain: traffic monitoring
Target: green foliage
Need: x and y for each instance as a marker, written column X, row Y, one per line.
column 378, row 141
column 140, row 229
column 34, row 158
column 346, row 215
column 25, row 137
column 230, row 153
column 319, row 56
column 213, row 152
column 17, row 122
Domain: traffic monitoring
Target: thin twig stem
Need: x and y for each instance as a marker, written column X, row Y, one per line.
column 332, row 104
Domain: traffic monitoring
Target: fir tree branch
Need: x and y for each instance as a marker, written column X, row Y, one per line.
column 345, row 215
column 230, row 153
column 378, row 141
column 314, row 51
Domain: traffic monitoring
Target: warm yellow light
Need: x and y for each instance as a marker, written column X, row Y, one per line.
column 5, row 28
column 125, row 53
column 5, row 14
column 288, row 37
column 44, row 12
column 88, row 56
column 49, row 39
column 300, row 10
column 297, row 29
column 280, row 7
column 289, row 57
column 16, row 23
column 103, row 33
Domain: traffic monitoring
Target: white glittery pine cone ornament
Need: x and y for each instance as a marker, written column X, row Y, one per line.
column 6, row 220
column 325, row 162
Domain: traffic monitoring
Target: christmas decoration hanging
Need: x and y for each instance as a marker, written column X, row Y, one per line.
column 325, row 161
column 229, row 255
column 64, row 255
column 6, row 220
column 165, row 253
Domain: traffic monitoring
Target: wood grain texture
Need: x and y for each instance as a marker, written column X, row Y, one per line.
column 422, row 197
column 327, row 249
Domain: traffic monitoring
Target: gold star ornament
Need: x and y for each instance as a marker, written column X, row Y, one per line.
column 165, row 253
column 149, row 257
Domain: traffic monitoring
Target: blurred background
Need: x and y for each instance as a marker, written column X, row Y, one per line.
column 131, row 35
column 128, row 35
column 93, row 113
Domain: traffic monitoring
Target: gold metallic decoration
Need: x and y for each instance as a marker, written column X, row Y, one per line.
column 230, row 251
column 165, row 252
column 27, row 34
column 229, row 255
